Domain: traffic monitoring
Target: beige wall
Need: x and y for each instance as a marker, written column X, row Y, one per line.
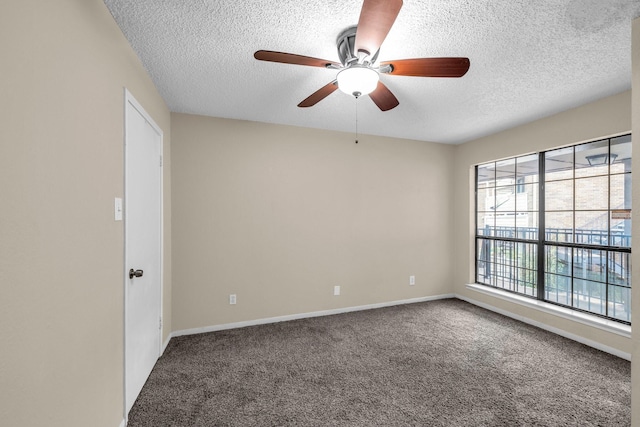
column 279, row 215
column 608, row 116
column 64, row 67
column 635, row 298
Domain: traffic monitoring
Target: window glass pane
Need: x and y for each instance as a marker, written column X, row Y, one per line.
column 592, row 193
column 486, row 223
column 526, row 272
column 527, row 225
column 595, row 170
column 619, row 266
column 505, row 225
column 592, row 159
column 525, row 287
column 557, row 288
column 527, row 258
column 559, row 226
column 590, row 264
column 486, row 199
column 527, row 168
column 526, row 197
column 623, row 139
column 558, row 260
column 620, row 157
column 620, row 232
column 620, row 303
column 505, row 264
column 558, row 164
column 558, row 195
column 506, row 172
column 590, row 296
column 487, row 174
column 617, row 168
column 505, row 199
column 592, row 228
column 484, row 255
column 620, row 191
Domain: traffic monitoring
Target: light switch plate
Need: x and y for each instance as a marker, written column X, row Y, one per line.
column 117, row 205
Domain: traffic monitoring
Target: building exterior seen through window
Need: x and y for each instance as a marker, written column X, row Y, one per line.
column 556, row 226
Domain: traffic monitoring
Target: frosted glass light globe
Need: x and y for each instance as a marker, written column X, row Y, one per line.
column 357, row 80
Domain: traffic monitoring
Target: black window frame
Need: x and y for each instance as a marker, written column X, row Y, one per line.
column 542, row 244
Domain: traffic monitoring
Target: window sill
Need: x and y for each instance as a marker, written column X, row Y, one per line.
column 566, row 313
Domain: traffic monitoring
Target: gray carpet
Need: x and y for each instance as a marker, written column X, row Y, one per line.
column 439, row 363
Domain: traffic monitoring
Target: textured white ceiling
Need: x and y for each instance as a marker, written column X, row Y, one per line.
column 529, row 59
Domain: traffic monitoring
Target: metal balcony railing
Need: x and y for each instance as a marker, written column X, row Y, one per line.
column 618, row 238
column 588, row 278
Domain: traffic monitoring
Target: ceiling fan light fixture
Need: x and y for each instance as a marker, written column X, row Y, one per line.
column 358, row 80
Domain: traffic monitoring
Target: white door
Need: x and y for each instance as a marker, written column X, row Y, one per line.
column 143, row 247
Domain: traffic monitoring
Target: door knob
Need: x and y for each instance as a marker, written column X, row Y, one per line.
column 135, row 273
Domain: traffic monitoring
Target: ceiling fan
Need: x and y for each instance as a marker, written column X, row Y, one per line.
column 358, row 49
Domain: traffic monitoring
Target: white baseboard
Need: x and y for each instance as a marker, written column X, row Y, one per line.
column 235, row 325
column 122, row 424
column 563, row 333
column 302, row 316
column 166, row 343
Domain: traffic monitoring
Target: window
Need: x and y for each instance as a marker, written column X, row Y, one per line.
column 556, row 226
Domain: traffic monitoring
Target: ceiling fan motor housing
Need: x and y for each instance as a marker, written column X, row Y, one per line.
column 346, row 50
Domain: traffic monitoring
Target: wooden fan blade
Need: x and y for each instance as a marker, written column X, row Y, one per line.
column 383, row 98
column 319, row 95
column 290, row 58
column 429, row 67
column 376, row 19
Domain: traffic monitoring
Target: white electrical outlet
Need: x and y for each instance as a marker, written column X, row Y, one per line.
column 232, row 299
column 412, row 280
column 336, row 290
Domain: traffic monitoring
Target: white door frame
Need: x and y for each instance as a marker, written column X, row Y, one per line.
column 130, row 101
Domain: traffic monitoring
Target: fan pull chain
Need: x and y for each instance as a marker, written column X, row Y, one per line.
column 356, row 120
